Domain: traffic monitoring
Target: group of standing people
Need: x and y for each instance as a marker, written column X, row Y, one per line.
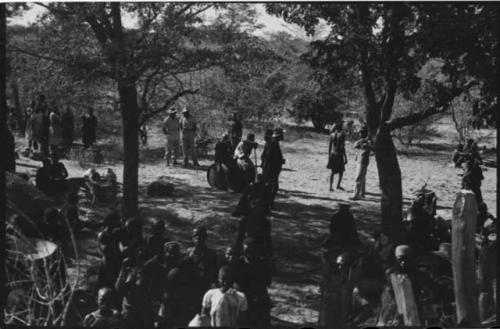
column 177, row 130
column 337, row 158
column 48, row 130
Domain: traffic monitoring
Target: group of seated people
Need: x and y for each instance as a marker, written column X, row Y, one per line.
column 150, row 281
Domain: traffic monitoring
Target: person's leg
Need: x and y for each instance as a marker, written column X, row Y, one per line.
column 358, row 189
column 175, row 149
column 331, row 180
column 340, row 180
column 193, row 151
column 185, row 149
column 363, row 180
column 168, row 152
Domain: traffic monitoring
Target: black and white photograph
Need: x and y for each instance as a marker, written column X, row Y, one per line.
column 249, row 164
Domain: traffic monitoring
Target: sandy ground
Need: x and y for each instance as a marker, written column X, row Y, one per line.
column 303, row 207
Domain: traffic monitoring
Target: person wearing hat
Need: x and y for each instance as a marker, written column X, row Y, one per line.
column 188, row 131
column 242, row 156
column 105, row 316
column 272, row 164
column 364, row 145
column 235, row 131
column 171, row 128
column 337, row 158
column 58, row 173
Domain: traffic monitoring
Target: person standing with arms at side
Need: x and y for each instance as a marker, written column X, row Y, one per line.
column 363, row 157
column 272, row 163
column 68, row 127
column 235, row 131
column 89, row 126
column 28, row 133
column 171, row 129
column 337, row 158
column 188, row 130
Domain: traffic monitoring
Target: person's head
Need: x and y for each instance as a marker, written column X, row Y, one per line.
column 112, row 219
column 278, row 134
column 268, row 135
column 105, row 299
column 185, row 112
column 45, row 162
column 470, row 141
column 343, row 261
column 90, row 111
column 403, row 255
column 72, row 198
column 172, row 112
column 231, row 254
column 226, row 277
column 200, row 236
column 51, row 215
column 171, row 251
column 133, row 225
column 158, row 226
column 339, row 125
column 251, row 138
column 225, row 137
column 235, row 116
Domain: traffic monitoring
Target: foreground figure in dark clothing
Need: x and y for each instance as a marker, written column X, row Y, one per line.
column 272, row 163
column 255, row 278
column 89, row 125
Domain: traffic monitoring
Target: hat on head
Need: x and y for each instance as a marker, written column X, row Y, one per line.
column 444, row 251
column 172, row 110
column 402, row 250
column 277, row 132
column 251, row 137
column 185, row 110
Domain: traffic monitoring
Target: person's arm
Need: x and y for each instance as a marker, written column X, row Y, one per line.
column 206, row 304
column 330, row 145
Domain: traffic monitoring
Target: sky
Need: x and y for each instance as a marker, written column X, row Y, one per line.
column 272, row 24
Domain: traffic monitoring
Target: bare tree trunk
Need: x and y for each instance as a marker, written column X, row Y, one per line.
column 390, row 185
column 130, row 120
column 17, row 106
column 3, row 117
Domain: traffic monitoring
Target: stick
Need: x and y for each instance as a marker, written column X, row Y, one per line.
column 405, row 299
column 463, row 231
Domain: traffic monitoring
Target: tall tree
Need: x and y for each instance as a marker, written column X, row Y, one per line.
column 162, row 44
column 383, row 47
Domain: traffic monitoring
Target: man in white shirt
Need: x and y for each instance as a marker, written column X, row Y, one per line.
column 226, row 306
column 171, row 129
column 188, row 129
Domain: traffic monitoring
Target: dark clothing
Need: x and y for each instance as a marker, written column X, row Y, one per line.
column 337, row 153
column 112, row 260
column 258, row 228
column 256, row 277
column 104, row 321
column 154, row 245
column 68, row 126
column 71, row 213
column 89, row 129
column 235, row 133
column 137, row 308
column 256, row 192
column 10, row 157
column 272, row 161
column 365, row 148
column 205, row 262
column 155, row 273
column 43, row 180
column 223, row 153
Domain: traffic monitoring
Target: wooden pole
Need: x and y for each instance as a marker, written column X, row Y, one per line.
column 405, row 299
column 463, row 231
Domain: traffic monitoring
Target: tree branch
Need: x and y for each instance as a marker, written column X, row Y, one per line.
column 168, row 103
